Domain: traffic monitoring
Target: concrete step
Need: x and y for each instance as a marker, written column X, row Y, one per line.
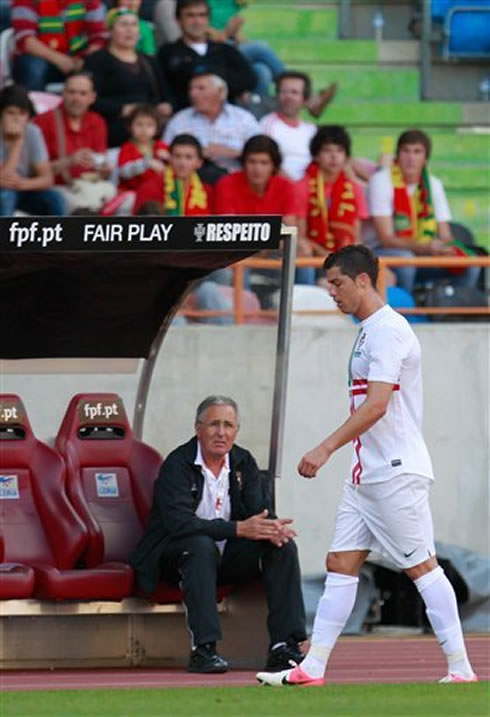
column 360, row 82
column 290, row 22
column 471, row 208
column 450, row 147
column 307, row 49
column 371, row 113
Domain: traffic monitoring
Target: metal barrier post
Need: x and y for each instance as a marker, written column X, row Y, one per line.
column 290, row 235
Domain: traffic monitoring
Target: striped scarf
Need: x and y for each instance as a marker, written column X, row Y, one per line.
column 413, row 217
column 334, row 226
column 184, row 200
column 62, row 29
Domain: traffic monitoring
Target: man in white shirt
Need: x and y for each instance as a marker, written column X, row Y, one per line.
column 411, row 215
column 385, row 504
column 221, row 128
column 210, row 525
column 286, row 127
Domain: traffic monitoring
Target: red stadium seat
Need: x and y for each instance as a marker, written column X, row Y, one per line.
column 40, row 527
column 16, row 580
column 110, row 474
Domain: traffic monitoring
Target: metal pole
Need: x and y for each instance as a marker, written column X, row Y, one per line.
column 289, row 235
column 426, row 51
column 147, row 373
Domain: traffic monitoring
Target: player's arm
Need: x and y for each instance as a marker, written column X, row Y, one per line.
column 368, row 413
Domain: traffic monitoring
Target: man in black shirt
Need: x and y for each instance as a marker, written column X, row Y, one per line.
column 193, row 53
column 209, row 525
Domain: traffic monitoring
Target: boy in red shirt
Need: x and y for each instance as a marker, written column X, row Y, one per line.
column 260, row 189
column 332, row 203
column 179, row 190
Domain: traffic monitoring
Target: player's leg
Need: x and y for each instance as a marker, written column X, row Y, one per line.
column 350, row 547
column 442, row 611
column 398, row 514
column 441, row 605
column 334, row 607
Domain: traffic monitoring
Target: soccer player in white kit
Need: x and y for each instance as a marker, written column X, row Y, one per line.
column 385, row 504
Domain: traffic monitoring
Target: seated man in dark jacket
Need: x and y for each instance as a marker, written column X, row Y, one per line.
column 209, row 524
column 193, row 53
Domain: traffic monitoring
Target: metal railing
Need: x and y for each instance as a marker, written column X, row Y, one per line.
column 240, row 313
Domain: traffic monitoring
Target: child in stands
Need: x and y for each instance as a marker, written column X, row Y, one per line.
column 143, row 157
column 180, row 190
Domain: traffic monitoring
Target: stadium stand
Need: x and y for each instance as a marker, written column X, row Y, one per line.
column 379, row 90
column 39, row 525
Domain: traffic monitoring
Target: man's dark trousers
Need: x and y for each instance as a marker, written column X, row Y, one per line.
column 196, row 564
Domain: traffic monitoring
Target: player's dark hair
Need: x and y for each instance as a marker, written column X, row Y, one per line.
column 354, row 260
column 330, row 134
column 262, row 144
column 295, row 75
column 184, row 4
column 414, row 136
column 187, row 140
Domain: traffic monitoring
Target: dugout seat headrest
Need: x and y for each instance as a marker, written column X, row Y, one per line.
column 14, row 424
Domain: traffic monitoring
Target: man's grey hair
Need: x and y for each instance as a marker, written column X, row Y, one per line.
column 216, row 401
column 217, row 82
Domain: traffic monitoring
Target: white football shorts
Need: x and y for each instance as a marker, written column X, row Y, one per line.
column 392, row 519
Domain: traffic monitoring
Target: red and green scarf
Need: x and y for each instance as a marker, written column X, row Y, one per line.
column 334, row 226
column 63, row 35
column 413, row 217
column 181, row 200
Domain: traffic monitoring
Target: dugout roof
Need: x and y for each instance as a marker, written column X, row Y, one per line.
column 79, row 287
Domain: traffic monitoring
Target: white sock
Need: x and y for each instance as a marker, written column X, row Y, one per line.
column 334, row 608
column 442, row 611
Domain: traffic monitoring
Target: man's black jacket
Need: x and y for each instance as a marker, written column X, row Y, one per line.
column 180, row 62
column 176, row 496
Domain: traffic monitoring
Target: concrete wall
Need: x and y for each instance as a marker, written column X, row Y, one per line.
column 239, row 361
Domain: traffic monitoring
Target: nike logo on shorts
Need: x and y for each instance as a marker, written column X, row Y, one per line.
column 407, row 555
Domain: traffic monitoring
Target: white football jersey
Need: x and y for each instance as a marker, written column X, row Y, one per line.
column 387, row 350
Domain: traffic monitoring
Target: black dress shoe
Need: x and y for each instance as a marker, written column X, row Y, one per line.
column 205, row 660
column 284, row 656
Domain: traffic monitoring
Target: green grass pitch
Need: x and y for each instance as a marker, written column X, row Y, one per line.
column 414, row 700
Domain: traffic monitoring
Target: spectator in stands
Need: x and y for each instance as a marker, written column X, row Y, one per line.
column 221, row 128
column 180, row 60
column 182, row 193
column 146, row 43
column 178, row 187
column 25, row 175
column 334, row 204
column 125, row 77
column 211, row 524
column 259, row 188
column 52, row 37
column 411, row 215
column 226, row 26
column 143, row 158
column 286, row 127
column 76, row 139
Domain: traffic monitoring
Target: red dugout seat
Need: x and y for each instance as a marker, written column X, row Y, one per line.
column 16, row 580
column 110, row 474
column 40, row 527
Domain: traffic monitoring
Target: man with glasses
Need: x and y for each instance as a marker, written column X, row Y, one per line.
column 210, row 524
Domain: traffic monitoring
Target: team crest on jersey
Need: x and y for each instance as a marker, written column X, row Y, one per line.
column 360, row 344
